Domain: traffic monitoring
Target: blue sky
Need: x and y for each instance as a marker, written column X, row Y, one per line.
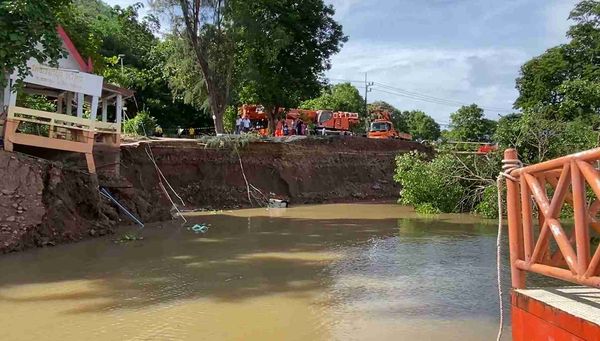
column 460, row 51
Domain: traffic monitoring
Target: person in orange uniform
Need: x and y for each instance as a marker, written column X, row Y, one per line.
column 279, row 128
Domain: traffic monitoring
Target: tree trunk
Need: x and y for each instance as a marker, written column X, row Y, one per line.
column 271, row 114
column 217, row 100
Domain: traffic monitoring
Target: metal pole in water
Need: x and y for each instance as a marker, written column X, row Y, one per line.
column 107, row 195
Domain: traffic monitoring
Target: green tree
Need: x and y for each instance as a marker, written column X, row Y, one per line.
column 181, row 72
column 339, row 97
column 283, row 49
column 469, row 124
column 421, row 126
column 103, row 33
column 28, row 30
column 580, row 99
column 209, row 30
column 538, row 137
column 565, row 79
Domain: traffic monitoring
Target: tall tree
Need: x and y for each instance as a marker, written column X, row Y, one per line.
column 103, row 33
column 339, row 97
column 284, row 47
column 421, row 126
column 469, row 124
column 28, row 30
column 208, row 30
column 563, row 81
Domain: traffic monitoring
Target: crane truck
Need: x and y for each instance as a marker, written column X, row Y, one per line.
column 324, row 121
column 383, row 128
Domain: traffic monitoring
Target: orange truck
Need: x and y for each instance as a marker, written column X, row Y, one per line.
column 325, row 121
column 383, row 128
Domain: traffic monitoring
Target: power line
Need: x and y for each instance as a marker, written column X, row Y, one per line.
column 417, row 98
column 345, row 80
column 412, row 93
column 392, row 90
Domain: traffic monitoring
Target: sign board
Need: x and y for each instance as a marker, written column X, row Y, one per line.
column 62, row 79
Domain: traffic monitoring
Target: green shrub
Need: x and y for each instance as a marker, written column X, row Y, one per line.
column 426, row 208
column 229, row 118
column 142, row 124
column 427, row 185
column 488, row 207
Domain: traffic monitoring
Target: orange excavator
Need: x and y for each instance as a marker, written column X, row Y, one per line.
column 383, row 128
column 324, row 121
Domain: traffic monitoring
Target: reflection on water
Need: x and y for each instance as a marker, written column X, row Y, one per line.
column 331, row 272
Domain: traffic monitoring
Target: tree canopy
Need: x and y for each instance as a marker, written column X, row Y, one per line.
column 339, row 97
column 563, row 82
column 469, row 124
column 28, row 30
column 103, row 33
column 421, row 126
column 283, row 49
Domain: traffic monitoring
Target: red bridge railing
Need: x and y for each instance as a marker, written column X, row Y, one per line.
column 548, row 186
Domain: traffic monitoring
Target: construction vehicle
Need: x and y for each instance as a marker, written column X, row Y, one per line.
column 383, row 128
column 324, row 121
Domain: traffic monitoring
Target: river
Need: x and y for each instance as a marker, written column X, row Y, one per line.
column 328, row 272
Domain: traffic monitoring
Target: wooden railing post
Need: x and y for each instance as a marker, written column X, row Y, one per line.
column 515, row 232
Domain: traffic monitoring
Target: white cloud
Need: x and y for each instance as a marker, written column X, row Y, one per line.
column 343, row 7
column 484, row 76
column 556, row 24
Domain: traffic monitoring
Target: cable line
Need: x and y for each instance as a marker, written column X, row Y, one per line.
column 412, row 93
column 392, row 90
column 434, row 101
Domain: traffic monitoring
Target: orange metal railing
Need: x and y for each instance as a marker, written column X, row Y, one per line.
column 572, row 259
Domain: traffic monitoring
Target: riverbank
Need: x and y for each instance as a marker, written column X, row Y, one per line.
column 50, row 202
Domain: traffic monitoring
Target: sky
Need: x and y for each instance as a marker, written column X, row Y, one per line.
column 435, row 55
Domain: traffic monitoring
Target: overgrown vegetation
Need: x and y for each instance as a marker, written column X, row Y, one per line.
column 447, row 183
column 142, row 124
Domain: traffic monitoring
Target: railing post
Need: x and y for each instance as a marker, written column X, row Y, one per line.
column 515, row 232
column 582, row 236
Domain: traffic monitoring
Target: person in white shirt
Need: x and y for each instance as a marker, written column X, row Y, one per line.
column 238, row 125
column 246, row 123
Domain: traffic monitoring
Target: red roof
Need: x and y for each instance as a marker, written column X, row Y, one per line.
column 85, row 67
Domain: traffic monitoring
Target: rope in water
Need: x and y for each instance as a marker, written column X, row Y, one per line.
column 507, row 167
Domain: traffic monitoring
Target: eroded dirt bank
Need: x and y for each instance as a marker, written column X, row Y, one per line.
column 45, row 203
column 41, row 203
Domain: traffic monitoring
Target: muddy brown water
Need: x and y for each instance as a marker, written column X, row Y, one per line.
column 330, row 272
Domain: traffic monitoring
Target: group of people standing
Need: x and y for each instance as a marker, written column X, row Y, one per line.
column 242, row 125
column 296, row 127
column 282, row 127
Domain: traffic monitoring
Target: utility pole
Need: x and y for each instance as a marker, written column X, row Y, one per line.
column 368, row 89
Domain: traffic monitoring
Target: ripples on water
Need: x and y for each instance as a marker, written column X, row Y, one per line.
column 333, row 272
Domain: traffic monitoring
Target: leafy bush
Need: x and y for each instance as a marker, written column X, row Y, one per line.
column 229, row 118
column 449, row 182
column 426, row 209
column 427, row 185
column 142, row 124
column 488, row 207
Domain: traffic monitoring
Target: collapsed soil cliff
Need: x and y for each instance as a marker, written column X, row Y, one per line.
column 305, row 171
column 44, row 203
